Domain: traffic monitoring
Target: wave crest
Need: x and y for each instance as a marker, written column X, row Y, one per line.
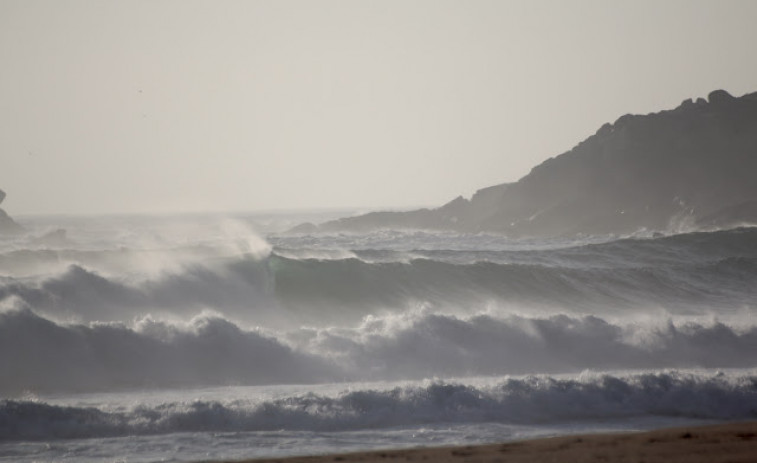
column 39, row 355
column 530, row 400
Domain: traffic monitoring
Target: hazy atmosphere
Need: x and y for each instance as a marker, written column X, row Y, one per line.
column 166, row 106
column 235, row 229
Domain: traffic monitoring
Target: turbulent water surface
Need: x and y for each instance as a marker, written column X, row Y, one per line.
column 200, row 337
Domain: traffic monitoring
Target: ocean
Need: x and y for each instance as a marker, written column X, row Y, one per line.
column 204, row 337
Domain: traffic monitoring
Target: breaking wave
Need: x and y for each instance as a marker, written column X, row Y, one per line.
column 693, row 273
column 38, row 355
column 149, row 327
column 239, row 286
column 529, row 400
column 459, row 306
column 428, row 345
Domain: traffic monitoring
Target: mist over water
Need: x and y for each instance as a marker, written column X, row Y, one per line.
column 160, row 326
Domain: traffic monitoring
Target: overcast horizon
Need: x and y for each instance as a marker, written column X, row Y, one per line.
column 198, row 106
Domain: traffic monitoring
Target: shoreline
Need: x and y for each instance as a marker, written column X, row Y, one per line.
column 720, row 443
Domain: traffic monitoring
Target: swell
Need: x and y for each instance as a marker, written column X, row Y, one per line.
column 403, row 247
column 40, row 356
column 357, row 284
column 697, row 272
column 643, row 251
column 530, row 400
column 278, row 291
column 701, row 270
column 239, row 286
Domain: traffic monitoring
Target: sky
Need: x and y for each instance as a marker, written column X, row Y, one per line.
column 211, row 106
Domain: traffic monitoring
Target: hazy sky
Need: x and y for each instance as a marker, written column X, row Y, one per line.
column 155, row 106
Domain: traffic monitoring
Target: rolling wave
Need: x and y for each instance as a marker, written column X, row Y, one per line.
column 107, row 333
column 530, row 400
column 325, row 291
column 354, row 283
column 40, row 356
column 691, row 273
column 241, row 286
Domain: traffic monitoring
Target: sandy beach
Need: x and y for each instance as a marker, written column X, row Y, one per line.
column 732, row 443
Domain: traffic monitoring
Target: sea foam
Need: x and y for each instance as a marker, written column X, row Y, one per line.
column 40, row 355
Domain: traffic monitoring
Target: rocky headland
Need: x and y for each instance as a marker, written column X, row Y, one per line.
column 692, row 166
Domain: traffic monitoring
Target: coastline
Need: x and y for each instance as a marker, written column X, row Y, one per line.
column 721, row 443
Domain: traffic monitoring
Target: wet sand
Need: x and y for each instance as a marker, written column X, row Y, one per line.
column 727, row 443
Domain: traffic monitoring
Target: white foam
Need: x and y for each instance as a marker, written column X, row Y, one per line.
column 40, row 355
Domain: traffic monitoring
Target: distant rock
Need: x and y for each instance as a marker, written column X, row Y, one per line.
column 8, row 226
column 56, row 238
column 691, row 166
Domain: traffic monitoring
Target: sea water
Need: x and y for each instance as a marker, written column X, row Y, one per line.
column 189, row 338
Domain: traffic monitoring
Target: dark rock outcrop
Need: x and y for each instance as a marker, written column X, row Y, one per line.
column 8, row 226
column 693, row 165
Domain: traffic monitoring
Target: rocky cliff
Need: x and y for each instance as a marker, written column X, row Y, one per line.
column 693, row 165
